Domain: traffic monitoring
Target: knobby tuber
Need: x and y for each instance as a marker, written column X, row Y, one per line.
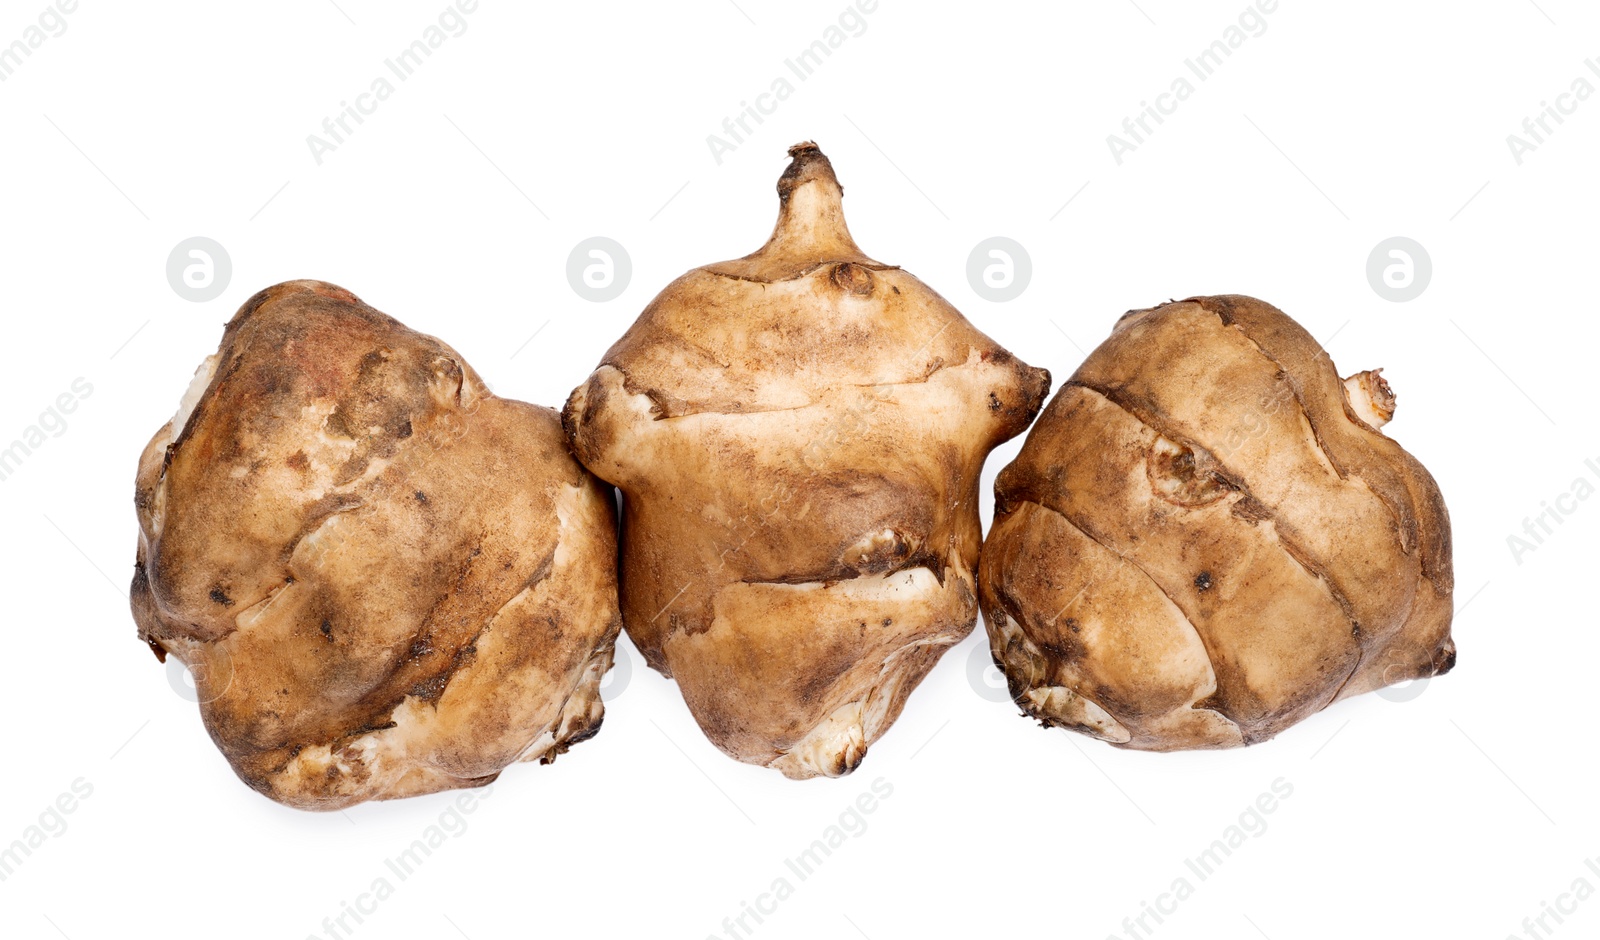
column 798, row 436
column 1206, row 537
column 384, row 579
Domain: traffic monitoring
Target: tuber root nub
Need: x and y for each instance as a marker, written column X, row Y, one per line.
column 1370, row 397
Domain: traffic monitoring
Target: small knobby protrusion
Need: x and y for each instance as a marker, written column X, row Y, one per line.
column 811, row 211
column 853, row 278
column 1370, row 397
column 810, row 231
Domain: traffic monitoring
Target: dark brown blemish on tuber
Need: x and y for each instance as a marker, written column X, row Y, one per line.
column 852, row 278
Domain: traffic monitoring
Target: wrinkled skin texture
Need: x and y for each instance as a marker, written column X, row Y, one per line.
column 385, row 580
column 1206, row 538
column 798, row 436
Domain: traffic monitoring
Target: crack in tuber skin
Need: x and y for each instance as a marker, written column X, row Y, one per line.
column 385, row 580
column 847, row 409
column 1220, row 587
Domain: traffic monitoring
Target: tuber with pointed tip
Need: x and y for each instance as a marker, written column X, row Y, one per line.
column 384, row 579
column 798, row 436
column 1206, row 537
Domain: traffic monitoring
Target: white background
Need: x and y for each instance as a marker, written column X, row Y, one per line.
column 1455, row 814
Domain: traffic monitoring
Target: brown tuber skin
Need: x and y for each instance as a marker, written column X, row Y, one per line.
column 1205, row 537
column 385, row 580
column 798, row 436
